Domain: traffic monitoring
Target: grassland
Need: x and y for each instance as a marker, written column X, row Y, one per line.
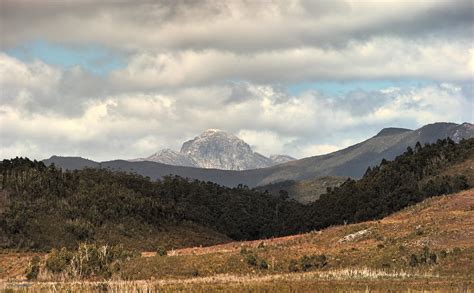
column 374, row 256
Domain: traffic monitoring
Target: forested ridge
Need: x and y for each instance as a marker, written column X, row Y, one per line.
column 43, row 207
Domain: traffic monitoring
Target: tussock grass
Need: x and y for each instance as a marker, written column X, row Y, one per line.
column 349, row 274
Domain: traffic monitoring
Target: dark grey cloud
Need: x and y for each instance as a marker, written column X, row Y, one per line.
column 231, row 25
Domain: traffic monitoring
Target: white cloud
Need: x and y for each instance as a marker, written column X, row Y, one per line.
column 381, row 58
column 25, row 83
column 137, row 123
column 207, row 64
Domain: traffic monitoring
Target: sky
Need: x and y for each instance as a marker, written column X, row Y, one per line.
column 123, row 79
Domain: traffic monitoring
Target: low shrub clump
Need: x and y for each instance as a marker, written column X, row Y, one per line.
column 423, row 258
column 252, row 259
column 308, row 262
column 161, row 251
column 89, row 260
column 33, row 268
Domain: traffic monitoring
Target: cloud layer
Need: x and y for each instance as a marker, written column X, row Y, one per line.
column 189, row 66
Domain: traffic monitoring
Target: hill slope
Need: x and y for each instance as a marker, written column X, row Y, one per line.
column 350, row 162
column 429, row 246
column 43, row 207
column 303, row 191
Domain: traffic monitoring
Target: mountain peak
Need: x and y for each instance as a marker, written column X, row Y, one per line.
column 216, row 149
column 392, row 131
column 221, row 150
column 212, row 130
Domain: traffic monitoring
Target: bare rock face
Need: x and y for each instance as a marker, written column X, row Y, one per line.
column 216, row 149
column 281, row 159
column 465, row 130
column 220, row 150
column 171, row 157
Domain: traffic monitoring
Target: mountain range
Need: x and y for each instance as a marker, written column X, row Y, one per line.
column 216, row 149
column 349, row 162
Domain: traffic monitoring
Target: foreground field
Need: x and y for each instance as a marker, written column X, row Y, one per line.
column 429, row 246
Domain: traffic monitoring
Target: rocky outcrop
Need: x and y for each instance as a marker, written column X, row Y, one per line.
column 216, row 149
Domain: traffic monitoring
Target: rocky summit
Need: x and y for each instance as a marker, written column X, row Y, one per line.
column 217, row 149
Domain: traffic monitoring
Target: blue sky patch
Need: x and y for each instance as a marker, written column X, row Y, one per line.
column 340, row 88
column 95, row 59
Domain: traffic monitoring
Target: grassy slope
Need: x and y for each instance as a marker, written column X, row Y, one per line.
column 441, row 223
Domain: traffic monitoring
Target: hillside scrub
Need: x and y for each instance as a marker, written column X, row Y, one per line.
column 88, row 260
column 46, row 207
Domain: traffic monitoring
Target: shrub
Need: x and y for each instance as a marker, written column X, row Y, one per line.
column 425, row 257
column 293, row 266
column 313, row 261
column 413, row 260
column 263, row 264
column 58, row 260
column 251, row 259
column 33, row 268
column 161, row 251
column 88, row 260
column 456, row 250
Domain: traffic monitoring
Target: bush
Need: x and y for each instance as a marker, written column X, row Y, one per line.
column 88, row 260
column 161, row 251
column 425, row 257
column 33, row 268
column 313, row 261
column 263, row 264
column 58, row 260
column 413, row 260
column 251, row 259
column 293, row 266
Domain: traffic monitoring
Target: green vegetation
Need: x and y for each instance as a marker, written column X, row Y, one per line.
column 253, row 260
column 161, row 251
column 391, row 186
column 313, row 261
column 89, row 260
column 45, row 207
column 303, row 191
column 33, row 268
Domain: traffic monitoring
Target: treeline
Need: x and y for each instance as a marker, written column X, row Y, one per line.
column 393, row 185
column 43, row 207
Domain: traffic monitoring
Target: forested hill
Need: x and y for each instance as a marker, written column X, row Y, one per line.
column 43, row 207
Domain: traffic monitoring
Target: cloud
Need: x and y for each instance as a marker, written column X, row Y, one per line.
column 39, row 87
column 230, row 25
column 192, row 65
column 137, row 123
column 384, row 58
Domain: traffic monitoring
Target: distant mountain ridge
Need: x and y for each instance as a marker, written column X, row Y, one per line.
column 216, row 149
column 349, row 162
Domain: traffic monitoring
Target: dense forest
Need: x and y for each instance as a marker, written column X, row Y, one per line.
column 43, row 207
